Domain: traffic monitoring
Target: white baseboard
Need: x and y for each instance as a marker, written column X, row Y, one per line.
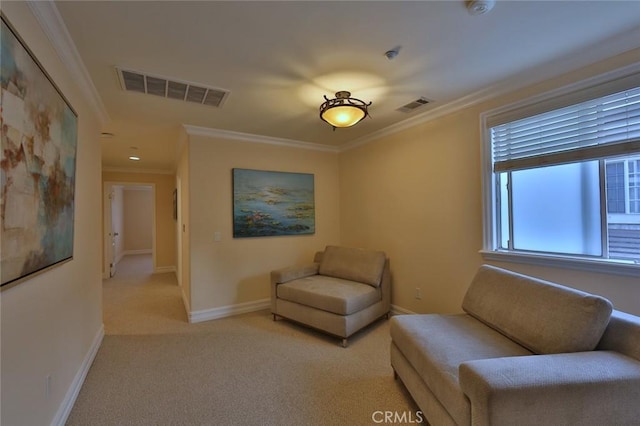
column 142, row 251
column 227, row 311
column 397, row 310
column 164, row 269
column 187, row 303
column 70, row 398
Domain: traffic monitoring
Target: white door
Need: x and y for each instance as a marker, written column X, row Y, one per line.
column 178, row 210
column 113, row 235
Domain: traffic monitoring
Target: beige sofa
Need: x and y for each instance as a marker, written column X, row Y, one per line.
column 525, row 352
column 342, row 291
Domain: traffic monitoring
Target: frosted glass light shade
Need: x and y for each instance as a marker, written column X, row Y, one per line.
column 343, row 110
column 343, row 116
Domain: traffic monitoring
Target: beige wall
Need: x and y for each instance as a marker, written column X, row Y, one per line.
column 417, row 195
column 138, row 219
column 165, row 225
column 183, row 224
column 50, row 322
column 234, row 271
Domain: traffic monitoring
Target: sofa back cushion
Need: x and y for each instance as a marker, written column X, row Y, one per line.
column 364, row 266
column 544, row 317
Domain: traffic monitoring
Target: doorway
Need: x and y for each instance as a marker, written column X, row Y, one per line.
column 129, row 223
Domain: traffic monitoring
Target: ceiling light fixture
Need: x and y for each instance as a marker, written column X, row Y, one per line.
column 343, row 110
column 133, row 157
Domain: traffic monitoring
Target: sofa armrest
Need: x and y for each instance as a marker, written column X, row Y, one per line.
column 586, row 388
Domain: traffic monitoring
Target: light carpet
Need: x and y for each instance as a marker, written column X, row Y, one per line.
column 154, row 368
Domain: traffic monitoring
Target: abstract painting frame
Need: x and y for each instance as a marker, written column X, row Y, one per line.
column 271, row 203
column 38, row 165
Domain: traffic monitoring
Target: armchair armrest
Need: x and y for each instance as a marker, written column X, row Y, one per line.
column 586, row 388
column 281, row 276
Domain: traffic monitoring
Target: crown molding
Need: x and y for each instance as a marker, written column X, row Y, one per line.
column 143, row 171
column 617, row 74
column 248, row 137
column 604, row 50
column 54, row 27
column 437, row 112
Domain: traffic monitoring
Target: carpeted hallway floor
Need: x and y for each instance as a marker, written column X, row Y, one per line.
column 154, row 368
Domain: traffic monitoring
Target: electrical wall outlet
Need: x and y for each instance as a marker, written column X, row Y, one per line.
column 418, row 293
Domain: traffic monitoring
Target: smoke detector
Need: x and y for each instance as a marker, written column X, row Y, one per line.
column 391, row 54
column 480, row 7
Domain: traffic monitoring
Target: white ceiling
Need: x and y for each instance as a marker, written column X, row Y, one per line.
column 278, row 60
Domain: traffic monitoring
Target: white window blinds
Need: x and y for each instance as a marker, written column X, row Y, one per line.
column 597, row 128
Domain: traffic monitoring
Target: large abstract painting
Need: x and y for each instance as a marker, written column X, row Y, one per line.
column 38, row 162
column 272, row 203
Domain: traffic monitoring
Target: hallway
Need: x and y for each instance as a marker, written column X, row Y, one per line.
column 134, row 265
column 137, row 301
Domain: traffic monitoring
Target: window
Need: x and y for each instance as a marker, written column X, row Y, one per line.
column 562, row 178
column 616, row 194
column 623, row 186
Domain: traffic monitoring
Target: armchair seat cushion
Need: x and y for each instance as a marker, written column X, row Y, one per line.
column 336, row 295
column 343, row 291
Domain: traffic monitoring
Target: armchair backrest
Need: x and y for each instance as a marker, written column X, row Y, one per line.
column 365, row 266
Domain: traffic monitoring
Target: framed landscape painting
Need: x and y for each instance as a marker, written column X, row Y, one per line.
column 272, row 203
column 37, row 165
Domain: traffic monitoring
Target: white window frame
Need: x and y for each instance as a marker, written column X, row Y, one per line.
column 625, row 186
column 628, row 215
column 528, row 107
column 628, row 186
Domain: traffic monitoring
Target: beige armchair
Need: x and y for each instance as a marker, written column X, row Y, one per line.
column 344, row 290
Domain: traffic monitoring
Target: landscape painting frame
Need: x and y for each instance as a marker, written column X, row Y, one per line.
column 38, row 165
column 272, row 203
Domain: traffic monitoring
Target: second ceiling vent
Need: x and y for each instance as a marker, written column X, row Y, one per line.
column 412, row 106
column 166, row 87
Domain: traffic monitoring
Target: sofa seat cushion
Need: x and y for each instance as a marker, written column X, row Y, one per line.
column 336, row 295
column 545, row 317
column 363, row 266
column 436, row 345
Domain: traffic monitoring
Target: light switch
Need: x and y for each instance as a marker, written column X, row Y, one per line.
column 217, row 236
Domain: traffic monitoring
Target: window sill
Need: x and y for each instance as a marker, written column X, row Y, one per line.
column 600, row 266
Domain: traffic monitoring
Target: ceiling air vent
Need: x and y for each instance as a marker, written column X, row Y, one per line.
column 171, row 88
column 412, row 106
